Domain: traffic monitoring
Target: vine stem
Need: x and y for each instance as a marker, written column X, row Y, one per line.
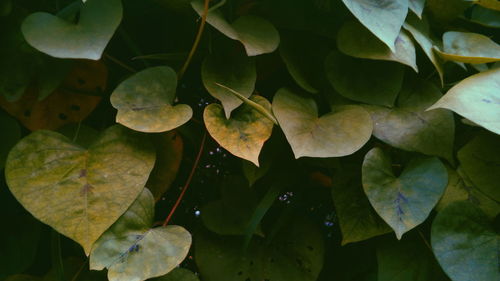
column 196, row 41
column 188, row 181
column 75, row 277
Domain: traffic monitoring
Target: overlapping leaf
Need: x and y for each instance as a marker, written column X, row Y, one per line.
column 405, row 201
column 244, row 133
column 469, row 48
column 477, row 98
column 257, row 35
column 465, row 243
column 85, row 39
column 368, row 81
column 383, row 18
column 417, row 6
column 133, row 251
column 341, row 132
column 236, row 71
column 408, row 126
column 355, row 40
column 79, row 192
column 144, row 101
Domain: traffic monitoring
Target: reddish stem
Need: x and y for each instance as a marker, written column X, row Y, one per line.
column 188, row 181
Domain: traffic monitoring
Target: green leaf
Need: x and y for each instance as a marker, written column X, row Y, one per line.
column 490, row 4
column 341, row 132
column 419, row 30
column 257, row 35
column 465, row 243
column 383, row 18
column 480, row 159
column 144, row 101
column 79, row 192
column 244, row 133
column 407, row 260
column 11, row 132
column 476, row 98
column 133, row 251
column 236, row 71
column 85, row 39
column 469, row 48
column 231, row 214
column 295, row 254
column 178, row 274
column 357, row 218
column 486, row 17
column 405, row 201
column 355, row 40
column 368, row 81
column 417, row 6
column 408, row 126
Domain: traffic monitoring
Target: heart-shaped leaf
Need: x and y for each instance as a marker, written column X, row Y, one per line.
column 357, row 218
column 338, row 133
column 408, row 126
column 480, row 160
column 79, row 192
column 257, row 35
column 476, row 98
column 382, row 18
column 178, row 274
column 86, row 39
column 144, row 101
column 368, row 81
column 355, row 40
column 295, row 254
column 133, row 251
column 419, row 30
column 244, row 133
column 465, row 243
column 469, row 48
column 236, row 71
column 405, row 201
column 417, row 6
column 232, row 213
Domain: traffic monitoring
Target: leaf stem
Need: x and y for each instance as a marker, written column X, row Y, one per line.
column 196, row 41
column 120, row 63
column 253, row 104
column 79, row 270
column 188, row 181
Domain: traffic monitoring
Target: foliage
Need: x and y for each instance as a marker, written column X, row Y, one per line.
column 252, row 140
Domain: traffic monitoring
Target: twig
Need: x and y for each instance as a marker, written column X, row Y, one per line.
column 196, row 41
column 188, row 181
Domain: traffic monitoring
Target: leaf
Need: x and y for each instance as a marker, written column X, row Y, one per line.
column 368, row 81
column 476, row 98
column 85, row 39
column 417, row 6
column 236, row 71
column 296, row 254
column 490, row 4
column 11, row 135
column 257, row 35
column 383, row 18
column 355, row 40
column 341, row 132
column 178, row 274
column 486, row 17
column 144, row 101
column 169, row 151
column 419, row 30
column 480, row 160
column 405, row 201
column 70, row 103
column 408, row 126
column 79, row 192
column 465, row 243
column 133, row 251
column 469, row 48
column 357, row 218
column 407, row 260
column 231, row 214
column 244, row 133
